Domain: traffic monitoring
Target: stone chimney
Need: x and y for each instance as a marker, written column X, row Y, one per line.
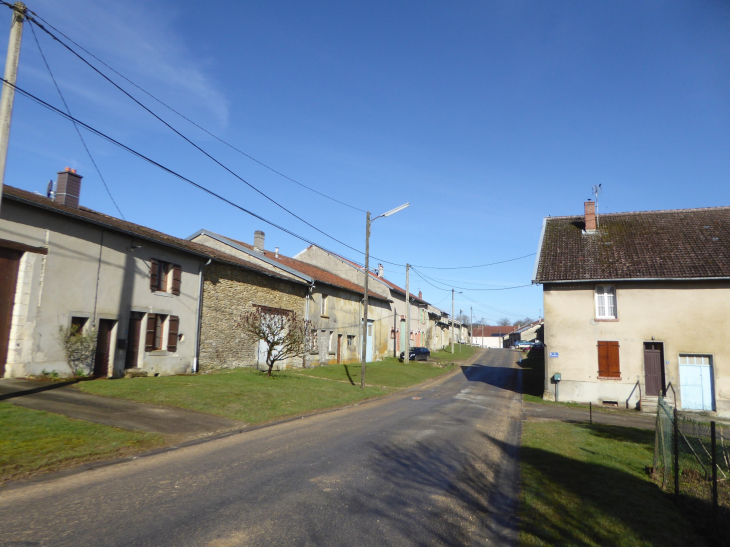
column 590, row 216
column 380, row 270
column 68, row 188
column 258, row 241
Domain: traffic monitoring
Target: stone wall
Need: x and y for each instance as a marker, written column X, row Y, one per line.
column 227, row 293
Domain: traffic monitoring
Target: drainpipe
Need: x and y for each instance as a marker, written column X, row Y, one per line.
column 306, row 319
column 200, row 316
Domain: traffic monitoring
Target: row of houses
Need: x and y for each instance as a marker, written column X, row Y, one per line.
column 637, row 306
column 167, row 305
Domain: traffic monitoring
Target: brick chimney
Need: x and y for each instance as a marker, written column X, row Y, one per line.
column 590, row 216
column 258, row 241
column 420, row 296
column 380, row 270
column 68, row 188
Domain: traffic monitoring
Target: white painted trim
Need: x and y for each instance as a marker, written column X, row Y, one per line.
column 539, row 250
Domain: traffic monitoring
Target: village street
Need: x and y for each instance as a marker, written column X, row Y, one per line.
column 432, row 466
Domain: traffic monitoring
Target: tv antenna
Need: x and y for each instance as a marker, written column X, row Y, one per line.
column 595, row 191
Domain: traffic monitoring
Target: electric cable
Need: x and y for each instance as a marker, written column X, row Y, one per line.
column 65, row 104
column 425, row 278
column 191, row 121
column 476, row 266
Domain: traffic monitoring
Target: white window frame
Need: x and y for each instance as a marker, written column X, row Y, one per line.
column 602, row 303
column 323, row 306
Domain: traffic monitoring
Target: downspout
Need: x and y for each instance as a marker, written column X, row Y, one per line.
column 196, row 361
column 306, row 323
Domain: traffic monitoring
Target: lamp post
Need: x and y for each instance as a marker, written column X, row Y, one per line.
column 368, row 221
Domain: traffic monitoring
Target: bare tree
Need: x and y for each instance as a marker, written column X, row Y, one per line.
column 523, row 322
column 283, row 332
column 504, row 322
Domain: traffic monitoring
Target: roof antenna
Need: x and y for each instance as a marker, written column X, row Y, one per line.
column 595, row 191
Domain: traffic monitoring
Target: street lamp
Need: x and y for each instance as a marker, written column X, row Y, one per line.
column 367, row 277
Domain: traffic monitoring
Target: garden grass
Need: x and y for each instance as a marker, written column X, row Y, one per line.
column 462, row 352
column 388, row 373
column 587, row 485
column 33, row 441
column 241, row 394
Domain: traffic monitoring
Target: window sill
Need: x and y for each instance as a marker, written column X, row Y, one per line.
column 606, row 320
column 163, row 293
column 330, row 353
column 159, row 352
column 610, row 378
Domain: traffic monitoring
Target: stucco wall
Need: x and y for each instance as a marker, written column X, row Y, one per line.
column 94, row 273
column 688, row 317
column 228, row 292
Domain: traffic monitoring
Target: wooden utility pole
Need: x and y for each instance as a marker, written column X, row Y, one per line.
column 365, row 303
column 452, row 321
column 471, row 325
column 8, row 93
column 461, row 326
column 408, row 315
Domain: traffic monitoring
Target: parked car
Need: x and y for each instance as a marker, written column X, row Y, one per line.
column 523, row 344
column 538, row 344
column 416, row 354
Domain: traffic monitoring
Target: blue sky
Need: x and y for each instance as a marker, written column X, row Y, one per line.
column 486, row 116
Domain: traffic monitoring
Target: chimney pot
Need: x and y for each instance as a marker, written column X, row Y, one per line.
column 590, row 215
column 258, row 241
column 276, row 252
column 68, row 188
column 380, row 270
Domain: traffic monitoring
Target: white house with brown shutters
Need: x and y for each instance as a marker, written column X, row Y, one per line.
column 636, row 304
column 64, row 265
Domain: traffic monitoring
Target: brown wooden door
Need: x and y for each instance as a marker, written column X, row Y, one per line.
column 103, row 348
column 133, row 339
column 9, row 262
column 339, row 348
column 653, row 371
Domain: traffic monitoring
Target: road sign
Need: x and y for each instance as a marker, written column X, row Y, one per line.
column 554, row 354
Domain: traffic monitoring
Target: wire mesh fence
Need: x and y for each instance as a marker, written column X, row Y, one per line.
column 692, row 459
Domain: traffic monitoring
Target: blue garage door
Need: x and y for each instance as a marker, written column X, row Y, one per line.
column 695, row 379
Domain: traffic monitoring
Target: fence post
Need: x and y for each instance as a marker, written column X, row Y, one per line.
column 675, row 442
column 713, row 443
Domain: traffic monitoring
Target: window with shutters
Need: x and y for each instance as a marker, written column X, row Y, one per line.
column 163, row 332
column 608, row 360
column 165, row 276
column 605, row 302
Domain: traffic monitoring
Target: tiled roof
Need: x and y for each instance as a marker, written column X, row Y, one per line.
column 675, row 244
column 142, row 232
column 397, row 288
column 316, row 273
column 489, row 330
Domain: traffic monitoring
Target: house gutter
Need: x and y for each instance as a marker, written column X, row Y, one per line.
column 613, row 279
column 200, row 316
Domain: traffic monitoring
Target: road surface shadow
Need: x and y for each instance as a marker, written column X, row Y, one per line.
column 500, row 377
column 40, row 389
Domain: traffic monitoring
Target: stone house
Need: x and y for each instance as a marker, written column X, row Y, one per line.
column 636, row 304
column 488, row 336
column 64, row 266
column 331, row 304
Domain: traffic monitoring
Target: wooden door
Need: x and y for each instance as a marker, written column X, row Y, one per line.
column 339, row 348
column 133, row 340
column 653, row 371
column 9, row 262
column 103, row 348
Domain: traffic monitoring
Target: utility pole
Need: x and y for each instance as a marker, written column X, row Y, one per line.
column 8, row 93
column 471, row 325
column 365, row 305
column 452, row 321
column 460, row 327
column 408, row 314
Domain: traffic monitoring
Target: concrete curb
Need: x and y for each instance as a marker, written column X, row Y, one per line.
column 90, row 466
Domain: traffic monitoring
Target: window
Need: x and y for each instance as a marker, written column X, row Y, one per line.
column 162, row 332
column 165, row 277
column 331, row 341
column 605, row 302
column 350, row 340
column 312, row 342
column 323, row 305
column 608, row 362
column 77, row 325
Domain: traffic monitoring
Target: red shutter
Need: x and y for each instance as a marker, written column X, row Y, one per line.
column 149, row 341
column 608, row 361
column 172, row 333
column 176, row 275
column 154, row 275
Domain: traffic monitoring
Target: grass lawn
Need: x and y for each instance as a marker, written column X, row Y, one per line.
column 33, row 441
column 587, row 485
column 462, row 352
column 241, row 394
column 386, row 373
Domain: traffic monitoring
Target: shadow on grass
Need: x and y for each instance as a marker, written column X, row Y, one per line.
column 618, row 432
column 347, row 371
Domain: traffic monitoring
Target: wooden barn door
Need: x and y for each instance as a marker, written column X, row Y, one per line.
column 9, row 262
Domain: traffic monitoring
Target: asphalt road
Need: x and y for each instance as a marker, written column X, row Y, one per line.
column 436, row 466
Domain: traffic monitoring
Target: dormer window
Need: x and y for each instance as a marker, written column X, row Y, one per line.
column 605, row 302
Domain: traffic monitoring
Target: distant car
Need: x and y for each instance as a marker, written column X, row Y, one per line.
column 538, row 344
column 523, row 344
column 416, row 354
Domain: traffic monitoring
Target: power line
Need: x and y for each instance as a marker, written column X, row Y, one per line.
column 186, row 139
column 191, row 121
column 476, row 266
column 65, row 104
column 425, row 278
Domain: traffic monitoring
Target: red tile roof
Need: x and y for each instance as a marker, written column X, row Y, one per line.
column 674, row 244
column 489, row 330
column 113, row 223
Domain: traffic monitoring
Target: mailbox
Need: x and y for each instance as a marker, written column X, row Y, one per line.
column 556, row 377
